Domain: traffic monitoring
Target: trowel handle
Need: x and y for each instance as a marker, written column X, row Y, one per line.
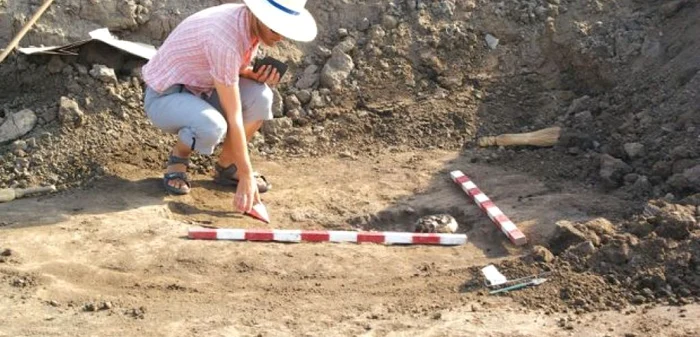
column 511, row 288
column 7, row 194
column 544, row 138
column 20, row 192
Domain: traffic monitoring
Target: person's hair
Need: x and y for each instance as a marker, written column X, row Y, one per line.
column 256, row 26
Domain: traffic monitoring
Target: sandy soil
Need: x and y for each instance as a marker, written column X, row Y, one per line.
column 113, row 259
column 612, row 210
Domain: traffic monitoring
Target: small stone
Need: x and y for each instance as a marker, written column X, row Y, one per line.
column 345, row 46
column 437, row 316
column 90, row 307
column 277, row 126
column 376, row 34
column 469, row 5
column 323, row 52
column 437, row 223
column 292, row 140
column 491, row 41
column 541, row 254
column 685, row 292
column 54, row 303
column 612, row 170
column 17, row 125
column 6, row 252
column 692, row 176
column 291, row 102
column 451, row 80
column 103, row 73
column 583, row 249
column 617, row 253
column 674, row 225
column 634, row 150
column 277, row 104
column 20, row 153
column 336, row 70
column 304, row 96
column 20, row 145
column 389, row 22
column 316, row 101
column 565, row 235
column 309, row 78
column 342, row 32
column 584, row 116
column 69, row 113
column 55, row 65
column 294, row 114
column 638, row 299
column 364, row 24
column 580, row 104
column 601, row 226
column 81, row 69
column 107, row 305
column 346, row 154
column 630, row 178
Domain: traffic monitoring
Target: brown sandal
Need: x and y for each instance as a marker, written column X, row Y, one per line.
column 226, row 176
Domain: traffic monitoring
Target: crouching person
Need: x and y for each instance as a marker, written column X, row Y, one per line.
column 200, row 86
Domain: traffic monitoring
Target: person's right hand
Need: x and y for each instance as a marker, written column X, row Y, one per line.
column 267, row 74
column 247, row 194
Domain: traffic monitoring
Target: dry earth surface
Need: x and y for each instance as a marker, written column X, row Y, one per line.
column 372, row 118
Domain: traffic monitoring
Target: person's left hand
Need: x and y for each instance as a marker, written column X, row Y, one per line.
column 266, row 74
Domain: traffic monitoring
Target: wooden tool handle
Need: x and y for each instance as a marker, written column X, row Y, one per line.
column 543, row 138
column 20, row 192
column 10, row 47
column 7, row 194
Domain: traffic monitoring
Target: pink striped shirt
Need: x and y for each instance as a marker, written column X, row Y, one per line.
column 213, row 44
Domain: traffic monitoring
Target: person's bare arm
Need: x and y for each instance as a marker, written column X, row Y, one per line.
column 247, row 191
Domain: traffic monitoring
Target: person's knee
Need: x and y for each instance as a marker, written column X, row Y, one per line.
column 215, row 130
column 263, row 102
column 210, row 134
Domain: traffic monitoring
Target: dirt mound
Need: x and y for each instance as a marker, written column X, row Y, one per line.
column 598, row 266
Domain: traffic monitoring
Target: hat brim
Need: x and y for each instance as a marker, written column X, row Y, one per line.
column 300, row 27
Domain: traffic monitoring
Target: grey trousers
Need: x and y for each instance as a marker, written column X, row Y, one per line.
column 199, row 121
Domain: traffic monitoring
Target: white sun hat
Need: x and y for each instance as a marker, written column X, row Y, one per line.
column 288, row 18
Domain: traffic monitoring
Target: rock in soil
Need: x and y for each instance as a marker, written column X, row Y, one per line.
column 565, row 235
column 17, row 125
column 439, row 223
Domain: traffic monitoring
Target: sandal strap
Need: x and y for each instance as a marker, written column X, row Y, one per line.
column 231, row 170
column 173, row 159
column 177, row 175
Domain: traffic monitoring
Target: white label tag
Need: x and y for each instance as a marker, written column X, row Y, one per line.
column 493, row 275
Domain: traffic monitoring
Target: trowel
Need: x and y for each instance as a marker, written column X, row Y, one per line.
column 9, row 194
column 259, row 212
column 533, row 282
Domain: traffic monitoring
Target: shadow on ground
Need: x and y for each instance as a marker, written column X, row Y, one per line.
column 108, row 195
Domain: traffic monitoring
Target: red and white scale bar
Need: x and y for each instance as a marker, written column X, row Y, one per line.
column 294, row 235
column 495, row 214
